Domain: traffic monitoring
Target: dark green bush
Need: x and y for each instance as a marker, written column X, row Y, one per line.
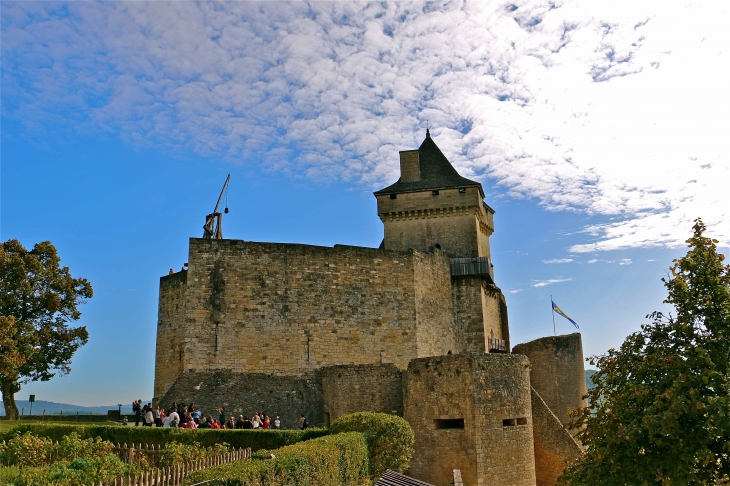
column 389, row 437
column 255, row 439
column 340, row 459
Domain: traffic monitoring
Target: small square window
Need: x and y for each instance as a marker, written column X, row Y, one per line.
column 508, row 423
column 393, row 196
column 434, row 193
column 522, row 421
column 462, row 190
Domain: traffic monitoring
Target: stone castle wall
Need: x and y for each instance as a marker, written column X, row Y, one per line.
column 456, row 221
column 361, row 388
column 435, row 333
column 503, row 414
column 490, row 395
column 288, row 309
column 171, row 331
column 247, row 393
column 555, row 448
column 557, row 372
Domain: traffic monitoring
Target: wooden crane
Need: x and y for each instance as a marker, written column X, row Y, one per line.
column 213, row 228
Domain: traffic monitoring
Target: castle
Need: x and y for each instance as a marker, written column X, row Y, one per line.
column 417, row 327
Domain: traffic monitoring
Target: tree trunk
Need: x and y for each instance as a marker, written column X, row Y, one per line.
column 11, row 409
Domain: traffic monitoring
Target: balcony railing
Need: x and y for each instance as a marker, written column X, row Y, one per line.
column 497, row 345
column 467, row 267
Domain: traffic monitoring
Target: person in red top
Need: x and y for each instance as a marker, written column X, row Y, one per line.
column 215, row 425
column 267, row 422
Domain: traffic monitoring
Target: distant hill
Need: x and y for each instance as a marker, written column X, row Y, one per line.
column 589, row 382
column 53, row 408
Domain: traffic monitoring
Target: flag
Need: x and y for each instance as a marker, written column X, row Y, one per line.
column 560, row 311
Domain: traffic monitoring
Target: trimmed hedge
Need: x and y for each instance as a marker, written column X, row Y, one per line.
column 255, row 439
column 340, row 459
column 390, row 439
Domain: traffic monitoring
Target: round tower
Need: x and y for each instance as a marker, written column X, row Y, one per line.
column 557, row 372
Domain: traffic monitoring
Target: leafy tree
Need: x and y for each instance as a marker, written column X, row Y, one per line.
column 659, row 412
column 38, row 298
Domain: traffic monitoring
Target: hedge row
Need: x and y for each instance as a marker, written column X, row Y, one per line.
column 389, row 438
column 335, row 459
column 255, row 439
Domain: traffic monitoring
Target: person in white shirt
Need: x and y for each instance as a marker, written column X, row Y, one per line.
column 174, row 419
column 277, row 423
column 256, row 421
column 149, row 418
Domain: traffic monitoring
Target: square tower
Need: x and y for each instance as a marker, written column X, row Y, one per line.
column 432, row 206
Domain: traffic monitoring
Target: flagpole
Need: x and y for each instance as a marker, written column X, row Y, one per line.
column 552, row 311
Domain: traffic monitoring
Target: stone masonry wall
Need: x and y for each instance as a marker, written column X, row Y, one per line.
column 247, row 393
column 361, row 388
column 436, row 389
column 457, row 221
column 436, row 334
column 555, row 448
column 468, row 302
column 495, row 313
column 170, row 331
column 503, row 416
column 483, row 390
column 557, row 372
column 285, row 309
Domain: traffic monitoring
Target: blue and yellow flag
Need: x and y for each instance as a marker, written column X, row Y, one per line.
column 560, row 311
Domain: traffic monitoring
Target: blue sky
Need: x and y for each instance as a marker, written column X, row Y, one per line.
column 598, row 131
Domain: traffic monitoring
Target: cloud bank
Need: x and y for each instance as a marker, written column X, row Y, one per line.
column 612, row 109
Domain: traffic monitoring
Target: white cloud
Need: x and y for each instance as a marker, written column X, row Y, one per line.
column 592, row 261
column 558, row 260
column 609, row 108
column 514, row 291
column 543, row 283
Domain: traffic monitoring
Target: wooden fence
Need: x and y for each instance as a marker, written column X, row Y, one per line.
column 175, row 475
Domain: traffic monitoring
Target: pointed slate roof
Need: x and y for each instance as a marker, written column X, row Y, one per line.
column 436, row 172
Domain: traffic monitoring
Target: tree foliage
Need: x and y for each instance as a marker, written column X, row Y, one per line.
column 659, row 412
column 38, row 299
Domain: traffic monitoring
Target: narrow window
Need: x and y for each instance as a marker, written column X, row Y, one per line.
column 434, row 193
column 393, row 196
column 462, row 190
column 522, row 421
column 508, row 423
column 441, row 424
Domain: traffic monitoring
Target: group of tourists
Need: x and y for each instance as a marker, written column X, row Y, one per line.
column 184, row 416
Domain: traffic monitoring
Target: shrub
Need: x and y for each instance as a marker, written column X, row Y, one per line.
column 175, row 453
column 390, row 439
column 28, row 450
column 335, row 459
column 255, row 439
column 77, row 473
